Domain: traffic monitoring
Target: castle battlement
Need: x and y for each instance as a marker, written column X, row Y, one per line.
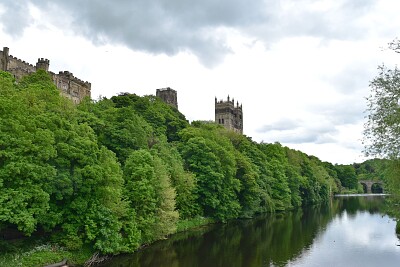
column 69, row 86
column 168, row 95
column 43, row 60
column 71, row 76
column 65, row 72
column 24, row 62
column 166, row 89
column 228, row 115
column 20, row 61
column 229, row 103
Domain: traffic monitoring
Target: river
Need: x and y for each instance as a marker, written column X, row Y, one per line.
column 349, row 231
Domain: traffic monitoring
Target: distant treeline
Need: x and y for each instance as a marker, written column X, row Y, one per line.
column 372, row 169
column 122, row 172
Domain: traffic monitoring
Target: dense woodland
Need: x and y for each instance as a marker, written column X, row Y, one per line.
column 119, row 173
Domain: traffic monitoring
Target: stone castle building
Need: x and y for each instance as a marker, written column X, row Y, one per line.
column 168, row 95
column 228, row 115
column 69, row 86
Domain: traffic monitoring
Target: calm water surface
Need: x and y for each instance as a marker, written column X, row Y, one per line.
column 351, row 231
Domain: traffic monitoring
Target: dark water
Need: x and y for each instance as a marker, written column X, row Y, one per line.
column 351, row 231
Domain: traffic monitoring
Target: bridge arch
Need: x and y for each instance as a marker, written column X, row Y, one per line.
column 369, row 184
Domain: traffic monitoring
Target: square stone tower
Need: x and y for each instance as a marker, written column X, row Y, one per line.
column 228, row 115
column 169, row 96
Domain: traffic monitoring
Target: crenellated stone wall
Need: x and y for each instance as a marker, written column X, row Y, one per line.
column 168, row 95
column 15, row 66
column 229, row 115
column 69, row 86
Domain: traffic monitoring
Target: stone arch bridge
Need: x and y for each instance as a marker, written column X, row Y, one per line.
column 367, row 184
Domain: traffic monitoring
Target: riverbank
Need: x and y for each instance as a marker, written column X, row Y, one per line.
column 313, row 236
column 360, row 195
column 32, row 253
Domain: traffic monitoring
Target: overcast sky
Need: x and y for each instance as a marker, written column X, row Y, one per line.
column 301, row 68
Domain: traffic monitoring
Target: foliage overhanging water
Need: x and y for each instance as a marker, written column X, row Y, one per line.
column 351, row 231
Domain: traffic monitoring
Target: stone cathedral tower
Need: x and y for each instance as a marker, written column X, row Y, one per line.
column 229, row 115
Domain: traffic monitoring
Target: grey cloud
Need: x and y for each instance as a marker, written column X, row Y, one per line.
column 325, row 139
column 15, row 18
column 290, row 131
column 347, row 111
column 169, row 27
column 352, row 84
column 318, row 134
column 305, row 136
column 301, row 19
column 162, row 27
column 297, row 138
column 353, row 78
column 358, row 146
column 281, row 125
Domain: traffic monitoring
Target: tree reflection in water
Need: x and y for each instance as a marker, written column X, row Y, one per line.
column 269, row 240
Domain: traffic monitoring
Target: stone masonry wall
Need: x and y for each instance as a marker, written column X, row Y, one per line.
column 168, row 95
column 69, row 86
column 228, row 115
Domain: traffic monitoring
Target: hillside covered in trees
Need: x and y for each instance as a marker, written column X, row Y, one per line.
column 115, row 174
